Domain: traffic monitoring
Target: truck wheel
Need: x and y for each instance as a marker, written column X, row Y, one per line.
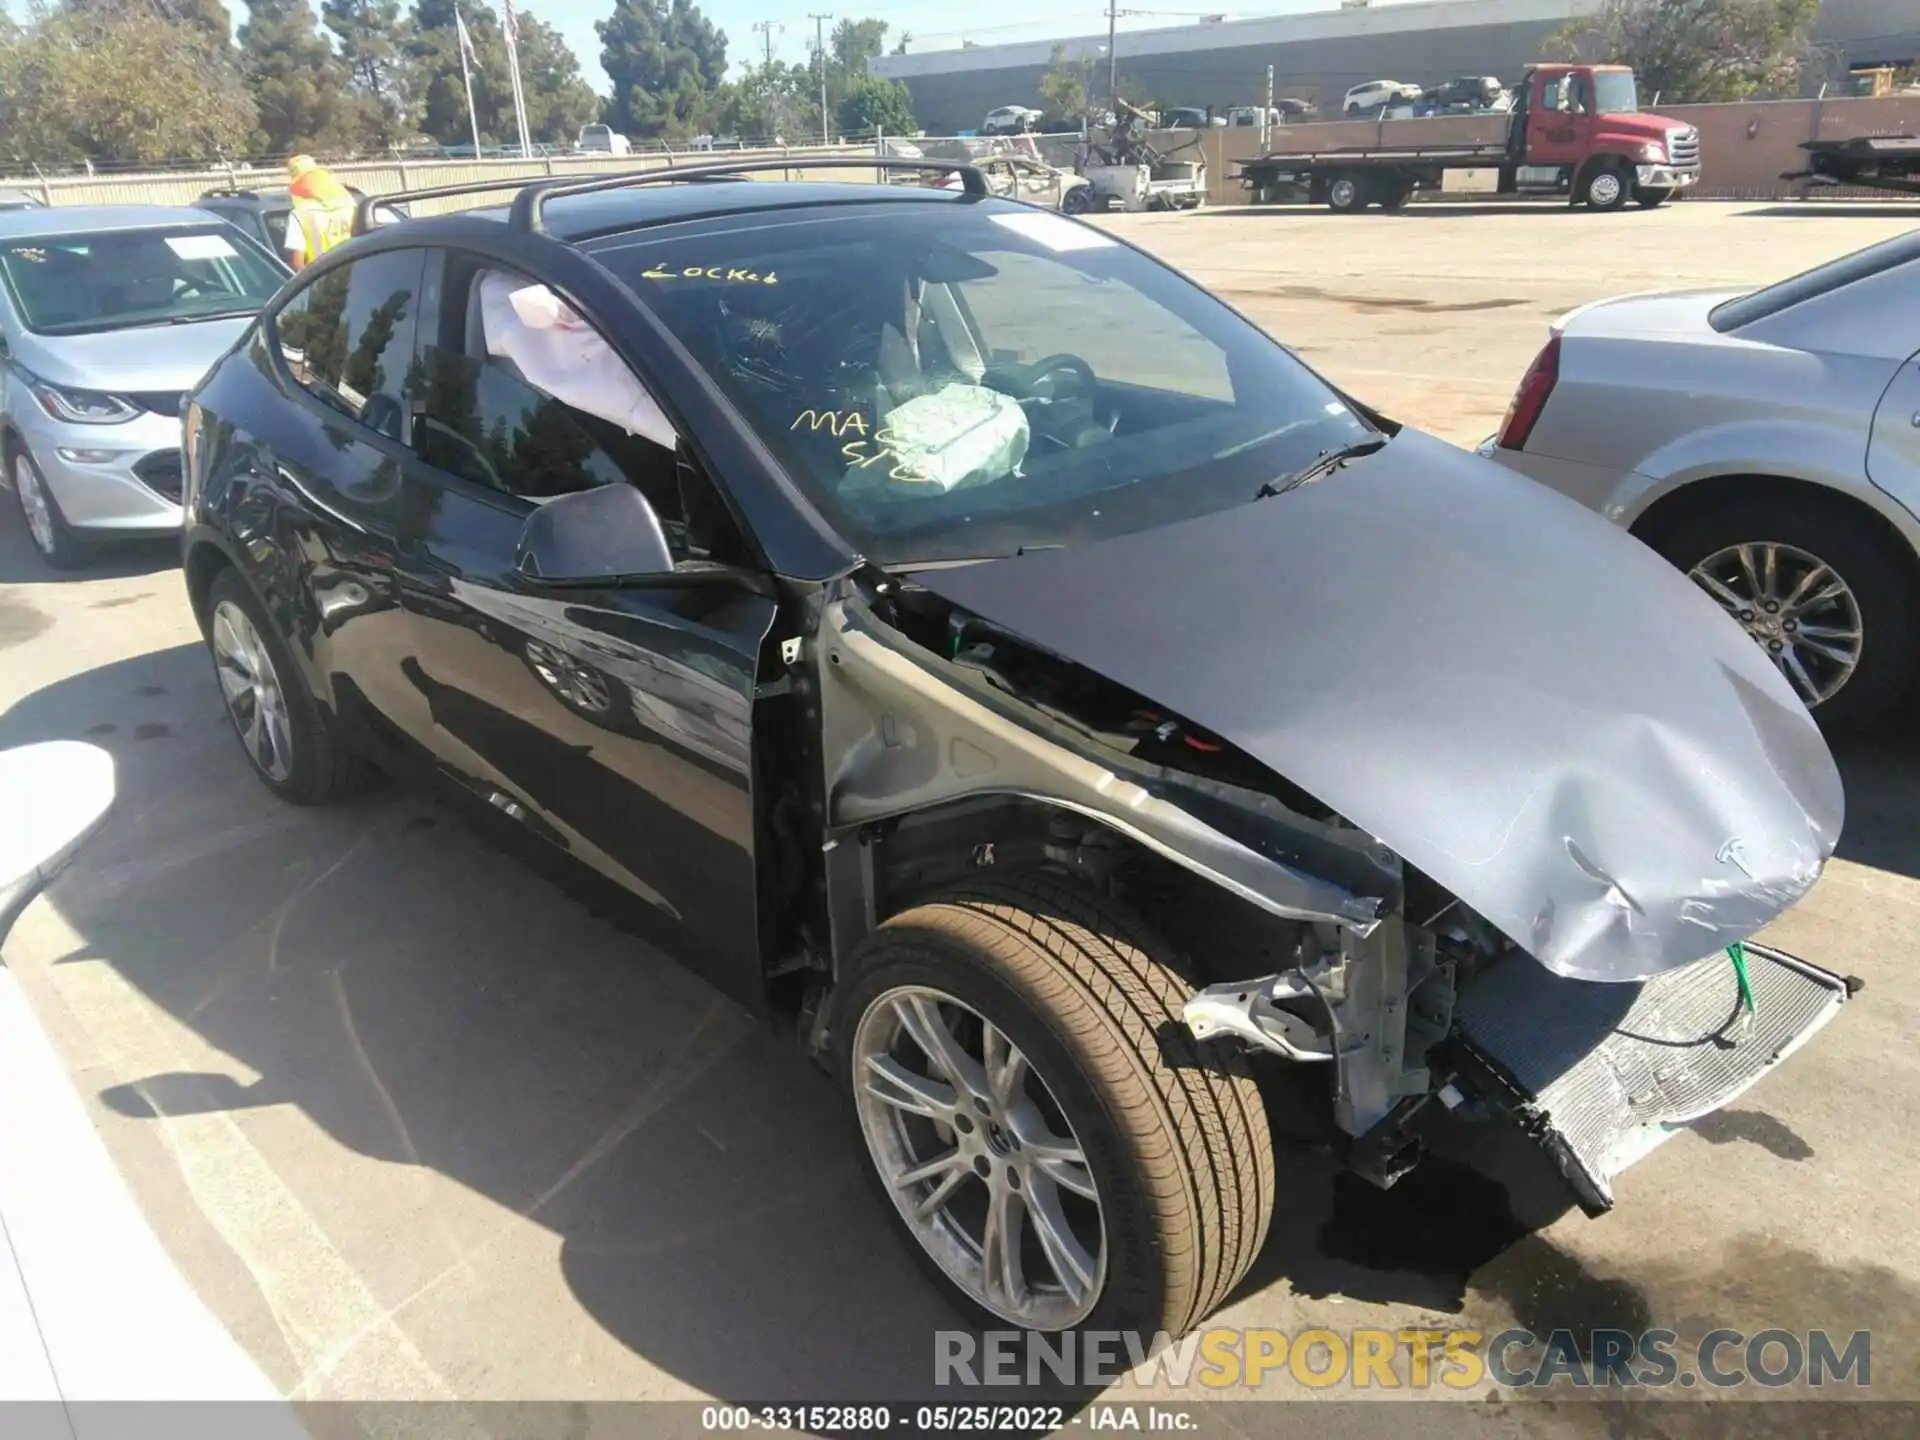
column 1045, row 1131
column 1347, row 193
column 1396, row 195
column 1605, row 186
column 1650, row 197
column 1842, row 627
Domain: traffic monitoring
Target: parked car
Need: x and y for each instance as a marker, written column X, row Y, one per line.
column 107, row 315
column 262, row 214
column 1282, row 112
column 1769, row 446
column 1190, row 117
column 1027, row 642
column 602, row 140
column 1466, row 95
column 1010, row 120
column 1377, row 94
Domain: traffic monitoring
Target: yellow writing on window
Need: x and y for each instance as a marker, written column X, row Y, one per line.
column 726, row 274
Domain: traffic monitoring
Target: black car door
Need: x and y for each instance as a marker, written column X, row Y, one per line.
column 615, row 723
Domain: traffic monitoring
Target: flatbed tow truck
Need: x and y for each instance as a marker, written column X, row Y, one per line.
column 1575, row 130
column 1878, row 162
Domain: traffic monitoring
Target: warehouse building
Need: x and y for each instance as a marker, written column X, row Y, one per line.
column 1318, row 56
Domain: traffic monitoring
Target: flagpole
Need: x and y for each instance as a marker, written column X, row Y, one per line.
column 512, row 29
column 466, row 77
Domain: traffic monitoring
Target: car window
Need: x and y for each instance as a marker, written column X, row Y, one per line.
column 1821, row 280
column 950, row 382
column 348, row 336
column 83, row 284
column 1553, row 93
column 479, row 416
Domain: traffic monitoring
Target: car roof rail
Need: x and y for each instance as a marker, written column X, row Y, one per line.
column 536, row 190
column 528, row 204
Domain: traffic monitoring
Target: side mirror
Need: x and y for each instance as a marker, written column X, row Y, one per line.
column 53, row 796
column 593, row 537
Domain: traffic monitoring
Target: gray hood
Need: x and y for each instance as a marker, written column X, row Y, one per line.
column 1519, row 698
column 148, row 357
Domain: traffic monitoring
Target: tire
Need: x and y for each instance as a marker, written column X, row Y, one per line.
column 1879, row 581
column 1650, row 197
column 1172, row 1131
column 1605, row 186
column 53, row 538
column 1347, row 193
column 303, row 761
column 1396, row 195
column 1077, row 201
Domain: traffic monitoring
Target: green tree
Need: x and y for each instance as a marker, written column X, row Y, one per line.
column 666, row 61
column 873, row 102
column 298, row 83
column 559, row 101
column 118, row 84
column 369, row 37
column 769, row 101
column 1695, row 51
column 1065, row 85
column 852, row 43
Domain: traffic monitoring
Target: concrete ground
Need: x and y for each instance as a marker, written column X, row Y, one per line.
column 416, row 1125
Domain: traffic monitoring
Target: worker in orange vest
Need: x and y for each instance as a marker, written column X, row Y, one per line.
column 322, row 215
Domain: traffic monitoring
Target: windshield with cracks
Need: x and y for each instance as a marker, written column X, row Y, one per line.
column 951, row 382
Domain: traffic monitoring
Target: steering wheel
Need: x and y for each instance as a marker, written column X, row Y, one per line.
column 1032, row 375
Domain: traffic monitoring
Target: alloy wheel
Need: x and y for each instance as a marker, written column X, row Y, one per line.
column 35, row 505
column 252, row 691
column 1796, row 607
column 567, row 678
column 1605, row 189
column 979, row 1158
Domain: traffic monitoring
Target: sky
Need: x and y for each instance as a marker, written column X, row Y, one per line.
column 934, row 24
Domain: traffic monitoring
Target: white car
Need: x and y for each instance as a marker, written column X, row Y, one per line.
column 602, row 140
column 1376, row 93
column 1009, row 120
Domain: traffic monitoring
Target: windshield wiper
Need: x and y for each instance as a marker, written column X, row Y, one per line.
column 1329, row 461
column 216, row 315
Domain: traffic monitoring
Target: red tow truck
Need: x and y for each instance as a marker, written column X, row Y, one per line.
column 1574, row 130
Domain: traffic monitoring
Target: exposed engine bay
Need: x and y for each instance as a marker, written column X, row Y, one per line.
column 1310, row 940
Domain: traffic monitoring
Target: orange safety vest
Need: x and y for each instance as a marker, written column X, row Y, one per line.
column 323, row 226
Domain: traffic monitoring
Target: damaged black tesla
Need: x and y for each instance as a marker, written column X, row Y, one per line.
column 984, row 645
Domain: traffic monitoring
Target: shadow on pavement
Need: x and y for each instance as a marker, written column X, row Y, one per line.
column 1840, row 210
column 427, row 1000
column 20, row 563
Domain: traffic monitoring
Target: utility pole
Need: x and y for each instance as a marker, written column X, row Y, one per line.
column 820, row 45
column 1266, row 115
column 1113, row 58
column 768, row 29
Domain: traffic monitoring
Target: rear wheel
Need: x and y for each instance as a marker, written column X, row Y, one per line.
column 1396, row 194
column 1053, row 1143
column 289, row 740
column 1650, row 197
column 1817, row 590
column 1347, row 193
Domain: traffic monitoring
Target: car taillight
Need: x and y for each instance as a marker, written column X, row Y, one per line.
column 1531, row 398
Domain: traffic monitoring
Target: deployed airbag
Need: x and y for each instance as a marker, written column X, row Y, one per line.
column 959, row 435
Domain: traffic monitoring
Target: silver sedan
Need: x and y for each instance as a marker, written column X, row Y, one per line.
column 1768, row 445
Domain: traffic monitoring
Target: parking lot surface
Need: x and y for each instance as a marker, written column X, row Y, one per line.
column 416, row 1124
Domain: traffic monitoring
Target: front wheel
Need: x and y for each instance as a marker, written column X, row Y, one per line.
column 1650, row 197
column 1605, row 187
column 46, row 525
column 1052, row 1142
column 1077, row 201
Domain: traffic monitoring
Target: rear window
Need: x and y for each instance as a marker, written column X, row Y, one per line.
column 1821, row 280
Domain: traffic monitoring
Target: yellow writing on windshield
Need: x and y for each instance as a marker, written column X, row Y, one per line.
column 834, row 422
column 726, row 274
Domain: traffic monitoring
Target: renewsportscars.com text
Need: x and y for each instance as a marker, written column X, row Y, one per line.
column 1319, row 1359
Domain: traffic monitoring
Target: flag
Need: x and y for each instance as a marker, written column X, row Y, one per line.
column 512, row 21
column 466, row 40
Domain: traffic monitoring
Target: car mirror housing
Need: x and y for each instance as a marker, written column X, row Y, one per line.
column 593, row 537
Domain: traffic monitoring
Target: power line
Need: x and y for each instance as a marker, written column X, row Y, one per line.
column 768, row 29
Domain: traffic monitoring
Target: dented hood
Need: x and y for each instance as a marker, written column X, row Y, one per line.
column 1521, row 699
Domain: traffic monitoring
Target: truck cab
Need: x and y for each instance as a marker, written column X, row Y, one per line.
column 1579, row 128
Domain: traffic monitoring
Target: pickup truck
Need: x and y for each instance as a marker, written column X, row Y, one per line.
column 1575, row 130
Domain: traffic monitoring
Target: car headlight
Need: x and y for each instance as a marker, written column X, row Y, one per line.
column 1654, row 153
column 79, row 407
